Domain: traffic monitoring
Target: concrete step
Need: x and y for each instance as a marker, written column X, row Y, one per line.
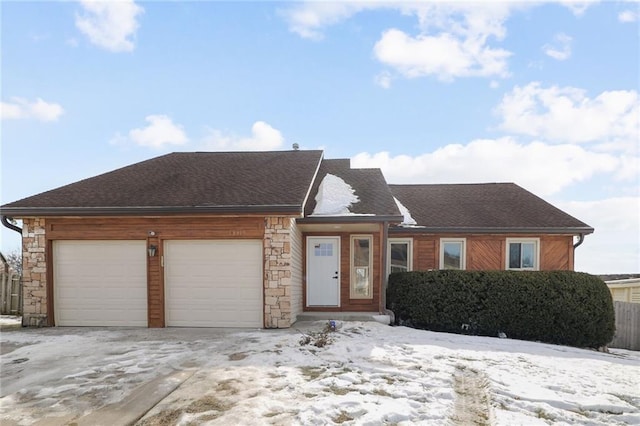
column 343, row 316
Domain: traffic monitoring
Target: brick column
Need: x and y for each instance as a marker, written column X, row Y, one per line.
column 34, row 273
column 277, row 273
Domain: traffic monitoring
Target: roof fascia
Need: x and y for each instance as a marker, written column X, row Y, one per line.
column 315, row 176
column 349, row 219
column 498, row 230
column 143, row 211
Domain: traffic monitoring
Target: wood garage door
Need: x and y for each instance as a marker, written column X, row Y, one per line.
column 100, row 283
column 213, row 283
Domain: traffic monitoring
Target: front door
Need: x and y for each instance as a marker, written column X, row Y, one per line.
column 323, row 271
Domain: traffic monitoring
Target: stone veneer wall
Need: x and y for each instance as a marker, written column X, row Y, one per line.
column 277, row 272
column 34, row 273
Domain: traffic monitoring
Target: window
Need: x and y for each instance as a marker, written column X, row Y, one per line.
column 323, row 249
column 361, row 262
column 523, row 253
column 400, row 255
column 452, row 253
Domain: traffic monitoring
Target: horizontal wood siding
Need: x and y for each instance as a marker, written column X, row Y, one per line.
column 488, row 252
column 346, row 303
column 133, row 228
column 138, row 228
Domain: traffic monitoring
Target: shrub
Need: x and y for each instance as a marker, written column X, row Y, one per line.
column 562, row 307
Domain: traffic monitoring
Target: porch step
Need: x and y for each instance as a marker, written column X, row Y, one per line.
column 343, row 316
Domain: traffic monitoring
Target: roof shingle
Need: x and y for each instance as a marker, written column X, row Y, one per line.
column 195, row 180
column 491, row 206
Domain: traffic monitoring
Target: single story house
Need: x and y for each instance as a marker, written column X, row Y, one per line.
column 256, row 239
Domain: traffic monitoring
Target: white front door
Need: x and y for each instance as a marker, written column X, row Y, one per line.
column 323, row 271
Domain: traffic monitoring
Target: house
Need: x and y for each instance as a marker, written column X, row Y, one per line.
column 256, row 239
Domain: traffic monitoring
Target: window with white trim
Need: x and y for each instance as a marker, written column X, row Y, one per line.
column 400, row 255
column 453, row 253
column 361, row 267
column 523, row 253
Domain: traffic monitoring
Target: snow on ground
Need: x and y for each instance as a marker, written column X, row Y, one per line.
column 367, row 374
column 10, row 320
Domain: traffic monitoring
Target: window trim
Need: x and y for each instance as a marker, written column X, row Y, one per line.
column 352, row 267
column 463, row 251
column 536, row 250
column 409, row 242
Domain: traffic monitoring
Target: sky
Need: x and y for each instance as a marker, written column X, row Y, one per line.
column 543, row 94
column 367, row 374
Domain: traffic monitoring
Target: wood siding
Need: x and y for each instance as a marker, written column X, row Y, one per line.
column 488, row 252
column 346, row 303
column 138, row 228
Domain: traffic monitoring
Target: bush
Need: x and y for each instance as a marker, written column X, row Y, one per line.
column 561, row 307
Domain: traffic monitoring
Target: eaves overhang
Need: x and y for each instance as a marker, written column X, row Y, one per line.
column 349, row 219
column 490, row 230
column 148, row 210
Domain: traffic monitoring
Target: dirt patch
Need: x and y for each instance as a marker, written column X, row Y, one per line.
column 473, row 401
column 238, row 356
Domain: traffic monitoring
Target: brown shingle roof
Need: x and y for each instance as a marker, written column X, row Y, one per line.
column 483, row 208
column 369, row 185
column 196, row 181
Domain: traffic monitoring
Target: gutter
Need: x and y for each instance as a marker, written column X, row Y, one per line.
column 498, row 230
column 148, row 210
column 355, row 218
column 580, row 241
column 6, row 223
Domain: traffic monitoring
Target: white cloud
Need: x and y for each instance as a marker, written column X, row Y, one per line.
column 110, row 24
column 578, row 7
column 614, row 246
column 452, row 40
column 541, row 168
column 263, row 138
column 561, row 49
column 628, row 16
column 159, row 132
column 565, row 114
column 384, row 79
column 20, row 108
column 445, row 56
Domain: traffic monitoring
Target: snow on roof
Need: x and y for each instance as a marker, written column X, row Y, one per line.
column 406, row 214
column 334, row 197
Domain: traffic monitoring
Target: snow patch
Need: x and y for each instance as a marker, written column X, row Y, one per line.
column 334, row 197
column 406, row 214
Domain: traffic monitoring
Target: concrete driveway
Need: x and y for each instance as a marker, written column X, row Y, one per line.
column 93, row 376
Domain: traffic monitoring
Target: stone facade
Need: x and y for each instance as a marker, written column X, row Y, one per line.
column 34, row 277
column 277, row 272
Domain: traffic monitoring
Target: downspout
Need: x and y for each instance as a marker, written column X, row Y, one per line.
column 580, row 241
column 385, row 273
column 6, row 223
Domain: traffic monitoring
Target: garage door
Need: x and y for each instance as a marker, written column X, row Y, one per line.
column 213, row 283
column 100, row 283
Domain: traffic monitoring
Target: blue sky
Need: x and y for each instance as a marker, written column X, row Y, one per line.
column 541, row 94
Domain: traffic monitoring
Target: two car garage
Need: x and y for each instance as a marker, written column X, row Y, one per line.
column 207, row 283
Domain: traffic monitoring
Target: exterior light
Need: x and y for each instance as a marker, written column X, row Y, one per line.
column 152, row 250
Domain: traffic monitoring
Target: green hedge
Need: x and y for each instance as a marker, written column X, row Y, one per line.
column 562, row 307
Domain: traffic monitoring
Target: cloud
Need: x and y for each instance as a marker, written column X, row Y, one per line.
column 614, row 246
column 39, row 109
column 628, row 16
column 159, row 132
column 110, row 24
column 578, row 7
column 539, row 167
column 566, row 115
column 452, row 40
column 263, row 138
column 561, row 50
column 384, row 79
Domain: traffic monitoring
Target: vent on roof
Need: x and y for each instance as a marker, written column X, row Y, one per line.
column 296, row 147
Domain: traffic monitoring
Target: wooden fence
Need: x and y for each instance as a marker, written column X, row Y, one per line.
column 10, row 293
column 627, row 326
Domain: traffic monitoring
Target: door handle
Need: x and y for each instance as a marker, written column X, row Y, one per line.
column 336, row 277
